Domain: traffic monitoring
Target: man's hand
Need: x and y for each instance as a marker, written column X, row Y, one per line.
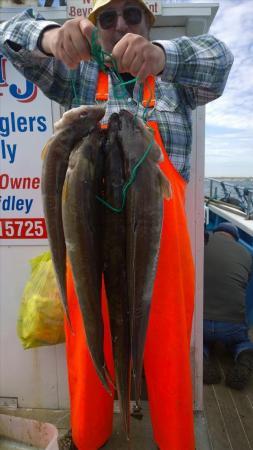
column 139, row 57
column 69, row 43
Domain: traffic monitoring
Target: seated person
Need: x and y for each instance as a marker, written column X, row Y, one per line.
column 227, row 269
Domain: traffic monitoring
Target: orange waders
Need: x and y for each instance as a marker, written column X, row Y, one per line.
column 167, row 351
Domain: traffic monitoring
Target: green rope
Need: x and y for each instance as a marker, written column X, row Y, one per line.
column 104, row 58
column 129, row 183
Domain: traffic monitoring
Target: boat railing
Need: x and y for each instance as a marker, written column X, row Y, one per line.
column 238, row 197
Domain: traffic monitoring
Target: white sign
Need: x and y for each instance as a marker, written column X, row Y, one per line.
column 155, row 7
column 25, row 126
column 78, row 8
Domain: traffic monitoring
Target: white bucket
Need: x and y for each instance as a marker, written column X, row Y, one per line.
column 31, row 432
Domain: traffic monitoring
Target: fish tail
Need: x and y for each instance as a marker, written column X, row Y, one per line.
column 65, row 189
column 104, row 377
column 45, row 151
column 165, row 185
column 69, row 322
column 108, row 376
column 127, row 427
column 65, row 308
column 137, row 411
column 125, row 406
column 137, row 408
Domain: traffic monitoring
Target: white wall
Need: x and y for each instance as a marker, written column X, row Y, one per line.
column 37, row 377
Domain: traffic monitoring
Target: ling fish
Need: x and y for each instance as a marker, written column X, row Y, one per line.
column 81, row 215
column 144, row 218
column 115, row 276
column 79, row 123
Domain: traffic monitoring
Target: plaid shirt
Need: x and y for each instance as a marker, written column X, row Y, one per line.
column 195, row 73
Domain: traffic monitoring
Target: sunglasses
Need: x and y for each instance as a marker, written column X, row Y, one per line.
column 132, row 15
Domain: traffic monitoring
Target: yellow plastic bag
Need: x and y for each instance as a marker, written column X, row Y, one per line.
column 40, row 320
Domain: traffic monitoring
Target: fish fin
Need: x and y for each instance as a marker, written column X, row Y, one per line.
column 165, row 185
column 69, row 322
column 150, row 130
column 156, row 153
column 161, row 157
column 65, row 189
column 45, row 151
column 109, row 377
column 137, row 411
column 69, row 117
column 104, row 378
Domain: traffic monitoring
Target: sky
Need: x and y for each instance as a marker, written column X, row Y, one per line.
column 229, row 119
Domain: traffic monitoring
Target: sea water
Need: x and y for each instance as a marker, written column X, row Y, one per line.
column 239, row 182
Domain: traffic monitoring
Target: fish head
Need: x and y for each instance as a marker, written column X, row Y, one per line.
column 126, row 121
column 110, row 134
column 131, row 125
column 75, row 117
column 95, row 141
column 89, row 152
column 94, row 112
column 114, row 123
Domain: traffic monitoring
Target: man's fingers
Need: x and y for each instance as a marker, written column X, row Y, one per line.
column 128, row 58
column 143, row 72
column 138, row 56
column 87, row 29
column 76, row 49
column 67, row 58
column 118, row 53
column 70, row 43
column 80, row 44
column 136, row 66
column 83, row 50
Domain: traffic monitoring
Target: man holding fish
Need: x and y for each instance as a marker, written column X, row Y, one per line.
column 177, row 76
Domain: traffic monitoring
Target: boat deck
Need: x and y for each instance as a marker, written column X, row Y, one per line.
column 226, row 424
column 141, row 431
column 227, row 213
column 228, row 413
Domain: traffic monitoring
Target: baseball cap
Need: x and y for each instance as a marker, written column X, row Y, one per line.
column 228, row 228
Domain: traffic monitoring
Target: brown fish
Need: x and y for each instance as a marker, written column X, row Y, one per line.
column 115, row 276
column 56, row 155
column 82, row 229
column 144, row 211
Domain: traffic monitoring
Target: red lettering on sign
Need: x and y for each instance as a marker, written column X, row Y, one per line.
column 7, row 182
column 33, row 228
column 73, row 11
column 153, row 8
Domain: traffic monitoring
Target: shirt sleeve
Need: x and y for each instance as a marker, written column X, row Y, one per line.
column 19, row 39
column 199, row 66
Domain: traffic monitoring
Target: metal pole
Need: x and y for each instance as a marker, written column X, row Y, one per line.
column 211, row 188
column 249, row 204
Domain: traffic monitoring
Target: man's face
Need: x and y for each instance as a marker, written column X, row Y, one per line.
column 119, row 27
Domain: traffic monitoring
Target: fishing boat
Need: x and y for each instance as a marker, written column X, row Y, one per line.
column 229, row 413
column 233, row 203
column 33, row 383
